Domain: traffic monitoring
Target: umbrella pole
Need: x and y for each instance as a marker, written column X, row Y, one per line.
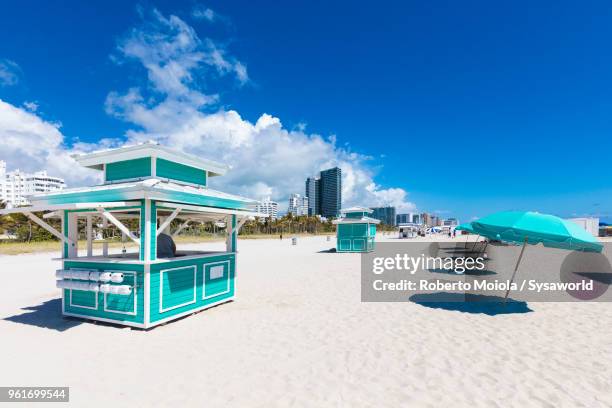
column 474, row 246
column 518, row 262
column 481, row 247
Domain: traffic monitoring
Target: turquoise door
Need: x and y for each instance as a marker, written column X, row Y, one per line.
column 125, row 304
column 344, row 234
column 344, row 244
column 177, row 287
column 353, row 237
column 359, row 244
column 217, row 279
column 360, row 235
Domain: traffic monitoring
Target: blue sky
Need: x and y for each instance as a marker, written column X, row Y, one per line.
column 466, row 107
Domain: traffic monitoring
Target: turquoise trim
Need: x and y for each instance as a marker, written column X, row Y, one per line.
column 110, row 208
column 178, row 285
column 143, row 229
column 217, row 284
column 65, row 233
column 180, row 172
column 207, row 201
column 160, row 195
column 86, row 197
column 82, row 298
column 128, row 169
column 234, row 233
column 372, row 230
column 355, row 237
column 92, row 303
column 153, row 230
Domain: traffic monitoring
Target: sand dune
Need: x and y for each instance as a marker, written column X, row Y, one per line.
column 298, row 335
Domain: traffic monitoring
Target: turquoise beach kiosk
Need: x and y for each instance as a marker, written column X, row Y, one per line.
column 356, row 231
column 145, row 188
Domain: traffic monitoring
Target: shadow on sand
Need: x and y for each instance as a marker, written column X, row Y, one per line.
column 47, row 315
column 467, row 303
column 459, row 251
column 601, row 277
column 327, row 251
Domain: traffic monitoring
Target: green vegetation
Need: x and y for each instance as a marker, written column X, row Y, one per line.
column 27, row 236
column 21, row 235
column 288, row 225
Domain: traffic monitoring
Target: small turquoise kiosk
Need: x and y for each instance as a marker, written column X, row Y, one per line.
column 356, row 231
column 145, row 188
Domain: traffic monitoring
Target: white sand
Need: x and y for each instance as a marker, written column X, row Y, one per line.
column 298, row 335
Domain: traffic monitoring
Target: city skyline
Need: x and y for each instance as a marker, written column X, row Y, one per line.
column 324, row 193
column 18, row 197
column 269, row 207
column 16, row 185
column 298, row 205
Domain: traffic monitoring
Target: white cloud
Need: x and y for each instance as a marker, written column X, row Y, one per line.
column 31, row 106
column 203, row 13
column 267, row 159
column 9, row 72
column 30, row 143
column 175, row 57
column 241, row 72
column 217, row 58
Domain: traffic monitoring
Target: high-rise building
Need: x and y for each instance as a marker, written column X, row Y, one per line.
column 313, row 194
column 325, row 193
column 436, row 221
column 269, row 207
column 433, row 221
column 16, row 185
column 331, row 192
column 408, row 218
column 450, row 222
column 298, row 205
column 403, row 219
column 386, row 215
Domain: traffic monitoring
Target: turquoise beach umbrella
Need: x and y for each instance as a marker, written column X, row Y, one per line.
column 466, row 227
column 534, row 228
column 528, row 227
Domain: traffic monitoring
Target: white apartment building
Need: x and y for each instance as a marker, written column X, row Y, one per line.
column 298, row 205
column 269, row 207
column 450, row 222
column 590, row 224
column 16, row 185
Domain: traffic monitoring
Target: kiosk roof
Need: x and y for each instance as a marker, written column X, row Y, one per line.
column 153, row 189
column 96, row 160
